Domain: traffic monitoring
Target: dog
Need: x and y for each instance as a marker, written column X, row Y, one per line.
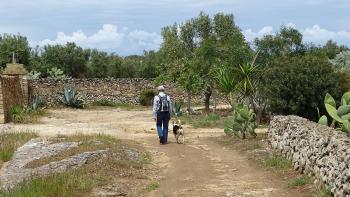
column 178, row 132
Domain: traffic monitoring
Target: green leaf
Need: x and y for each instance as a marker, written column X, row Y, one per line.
column 343, row 101
column 333, row 113
column 346, row 97
column 323, row 120
column 346, row 126
column 328, row 99
column 342, row 110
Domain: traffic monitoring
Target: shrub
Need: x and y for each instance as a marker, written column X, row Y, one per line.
column 242, row 122
column 71, row 98
column 297, row 85
column 146, row 97
column 24, row 115
column 37, row 102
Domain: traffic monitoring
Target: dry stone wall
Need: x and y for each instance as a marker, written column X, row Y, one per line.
column 314, row 149
column 118, row 90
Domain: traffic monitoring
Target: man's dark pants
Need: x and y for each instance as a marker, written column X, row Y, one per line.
column 162, row 126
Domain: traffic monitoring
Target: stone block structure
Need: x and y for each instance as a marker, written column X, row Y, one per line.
column 314, row 149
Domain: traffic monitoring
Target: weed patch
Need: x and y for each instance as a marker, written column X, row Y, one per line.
column 300, row 181
column 10, row 141
column 152, row 186
column 277, row 162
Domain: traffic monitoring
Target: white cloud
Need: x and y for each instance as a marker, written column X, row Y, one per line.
column 109, row 38
column 250, row 35
column 314, row 34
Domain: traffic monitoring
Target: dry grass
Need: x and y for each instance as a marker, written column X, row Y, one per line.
column 10, row 141
column 125, row 163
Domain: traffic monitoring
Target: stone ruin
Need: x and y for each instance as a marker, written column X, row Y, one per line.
column 13, row 90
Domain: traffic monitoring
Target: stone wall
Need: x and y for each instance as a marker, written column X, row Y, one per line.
column 314, row 149
column 118, row 90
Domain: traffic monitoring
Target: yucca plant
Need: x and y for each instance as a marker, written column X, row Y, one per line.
column 242, row 122
column 340, row 115
column 71, row 98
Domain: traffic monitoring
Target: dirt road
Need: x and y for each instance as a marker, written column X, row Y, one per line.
column 202, row 167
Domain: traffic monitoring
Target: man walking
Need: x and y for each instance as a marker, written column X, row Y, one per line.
column 161, row 114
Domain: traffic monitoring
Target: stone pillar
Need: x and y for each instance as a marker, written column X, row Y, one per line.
column 2, row 113
column 14, row 90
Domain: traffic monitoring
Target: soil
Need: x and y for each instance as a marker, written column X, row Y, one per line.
column 201, row 167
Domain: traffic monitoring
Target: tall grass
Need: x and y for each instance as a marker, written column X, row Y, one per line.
column 10, row 141
column 66, row 184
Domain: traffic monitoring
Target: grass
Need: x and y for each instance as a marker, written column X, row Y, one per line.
column 152, row 186
column 204, row 121
column 109, row 103
column 323, row 191
column 277, row 162
column 77, row 183
column 25, row 115
column 10, row 141
column 300, row 181
column 67, row 184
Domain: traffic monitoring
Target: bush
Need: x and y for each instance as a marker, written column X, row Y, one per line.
column 71, row 98
column 146, row 97
column 25, row 115
column 297, row 85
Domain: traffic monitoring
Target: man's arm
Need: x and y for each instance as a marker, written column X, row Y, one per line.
column 155, row 100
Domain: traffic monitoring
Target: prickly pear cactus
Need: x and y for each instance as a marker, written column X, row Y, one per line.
column 340, row 115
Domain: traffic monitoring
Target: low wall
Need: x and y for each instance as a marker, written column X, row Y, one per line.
column 314, row 149
column 118, row 90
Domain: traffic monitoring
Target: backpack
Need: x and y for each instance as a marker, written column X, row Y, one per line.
column 164, row 104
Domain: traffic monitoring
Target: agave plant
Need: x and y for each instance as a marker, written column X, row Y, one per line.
column 37, row 102
column 34, row 74
column 71, row 98
column 242, row 122
column 340, row 115
column 177, row 109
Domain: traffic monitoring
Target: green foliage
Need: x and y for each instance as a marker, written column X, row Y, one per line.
column 277, row 162
column 71, row 98
column 14, row 43
column 297, row 85
column 34, row 74
column 324, row 191
column 342, row 61
column 152, row 186
column 25, row 115
column 340, row 115
column 242, row 122
column 300, row 181
column 56, row 73
column 146, row 97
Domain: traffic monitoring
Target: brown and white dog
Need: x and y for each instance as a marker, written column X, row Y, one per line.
column 178, row 132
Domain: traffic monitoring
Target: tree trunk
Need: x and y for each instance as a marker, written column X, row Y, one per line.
column 189, row 96
column 207, row 95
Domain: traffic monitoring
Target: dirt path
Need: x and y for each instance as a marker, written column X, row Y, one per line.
column 202, row 167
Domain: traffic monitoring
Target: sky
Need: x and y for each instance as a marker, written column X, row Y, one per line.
column 130, row 26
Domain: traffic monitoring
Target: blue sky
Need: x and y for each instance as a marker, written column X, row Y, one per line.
column 131, row 26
